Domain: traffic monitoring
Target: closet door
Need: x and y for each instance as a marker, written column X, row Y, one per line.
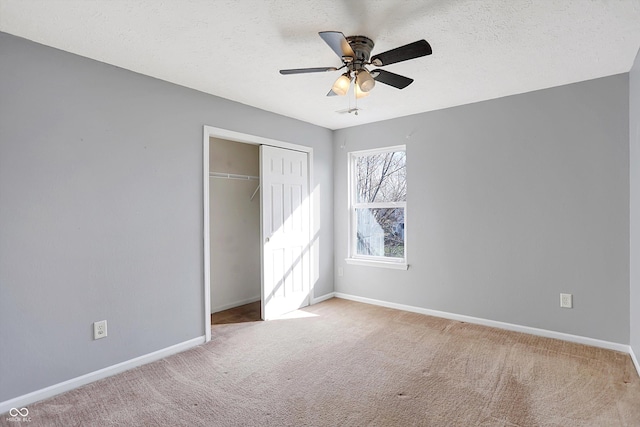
column 285, row 231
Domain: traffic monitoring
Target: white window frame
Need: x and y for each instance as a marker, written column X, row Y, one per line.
column 353, row 256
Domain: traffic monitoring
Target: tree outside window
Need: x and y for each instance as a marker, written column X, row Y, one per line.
column 378, row 203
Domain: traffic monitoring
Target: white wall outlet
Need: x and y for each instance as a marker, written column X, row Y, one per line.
column 566, row 300
column 99, row 329
column 340, row 272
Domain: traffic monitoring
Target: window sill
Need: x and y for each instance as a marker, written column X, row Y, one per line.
column 381, row 264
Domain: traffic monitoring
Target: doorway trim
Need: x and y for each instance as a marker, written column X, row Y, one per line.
column 229, row 135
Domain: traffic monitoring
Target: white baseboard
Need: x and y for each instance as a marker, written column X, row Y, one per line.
column 493, row 323
column 323, row 298
column 635, row 360
column 235, row 304
column 45, row 393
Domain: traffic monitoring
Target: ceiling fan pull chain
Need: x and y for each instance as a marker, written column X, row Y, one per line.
column 355, row 97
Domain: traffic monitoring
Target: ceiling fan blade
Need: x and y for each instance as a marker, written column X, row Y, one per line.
column 307, row 70
column 391, row 79
column 338, row 42
column 332, row 93
column 402, row 53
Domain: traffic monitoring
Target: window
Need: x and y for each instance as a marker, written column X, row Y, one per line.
column 377, row 205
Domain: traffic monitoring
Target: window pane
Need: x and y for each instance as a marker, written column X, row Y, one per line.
column 381, row 177
column 380, row 232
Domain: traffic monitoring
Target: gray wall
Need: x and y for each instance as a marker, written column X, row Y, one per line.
column 510, row 202
column 101, row 211
column 634, row 162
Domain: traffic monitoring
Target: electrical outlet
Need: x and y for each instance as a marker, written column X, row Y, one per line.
column 99, row 329
column 340, row 272
column 566, row 300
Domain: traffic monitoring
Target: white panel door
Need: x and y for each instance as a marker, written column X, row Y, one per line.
column 285, row 231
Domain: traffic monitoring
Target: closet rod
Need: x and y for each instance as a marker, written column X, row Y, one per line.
column 233, row 176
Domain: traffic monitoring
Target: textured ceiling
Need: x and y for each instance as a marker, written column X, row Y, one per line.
column 234, row 48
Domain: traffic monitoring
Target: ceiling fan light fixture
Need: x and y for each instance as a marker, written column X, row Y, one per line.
column 341, row 86
column 359, row 93
column 364, row 81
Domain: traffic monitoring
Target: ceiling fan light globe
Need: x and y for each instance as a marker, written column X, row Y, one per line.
column 359, row 93
column 341, row 86
column 364, row 81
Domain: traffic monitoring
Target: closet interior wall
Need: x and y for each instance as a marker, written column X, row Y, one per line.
column 234, row 223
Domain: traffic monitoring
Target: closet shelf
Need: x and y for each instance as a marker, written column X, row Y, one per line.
column 236, row 176
column 233, row 176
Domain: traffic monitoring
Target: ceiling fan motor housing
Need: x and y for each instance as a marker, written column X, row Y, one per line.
column 362, row 47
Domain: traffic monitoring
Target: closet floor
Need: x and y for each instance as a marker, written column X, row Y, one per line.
column 241, row 314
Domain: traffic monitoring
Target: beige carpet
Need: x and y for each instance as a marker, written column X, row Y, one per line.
column 352, row 364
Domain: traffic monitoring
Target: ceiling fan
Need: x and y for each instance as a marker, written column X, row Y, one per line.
column 354, row 51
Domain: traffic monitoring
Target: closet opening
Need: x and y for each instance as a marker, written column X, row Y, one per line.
column 234, row 228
